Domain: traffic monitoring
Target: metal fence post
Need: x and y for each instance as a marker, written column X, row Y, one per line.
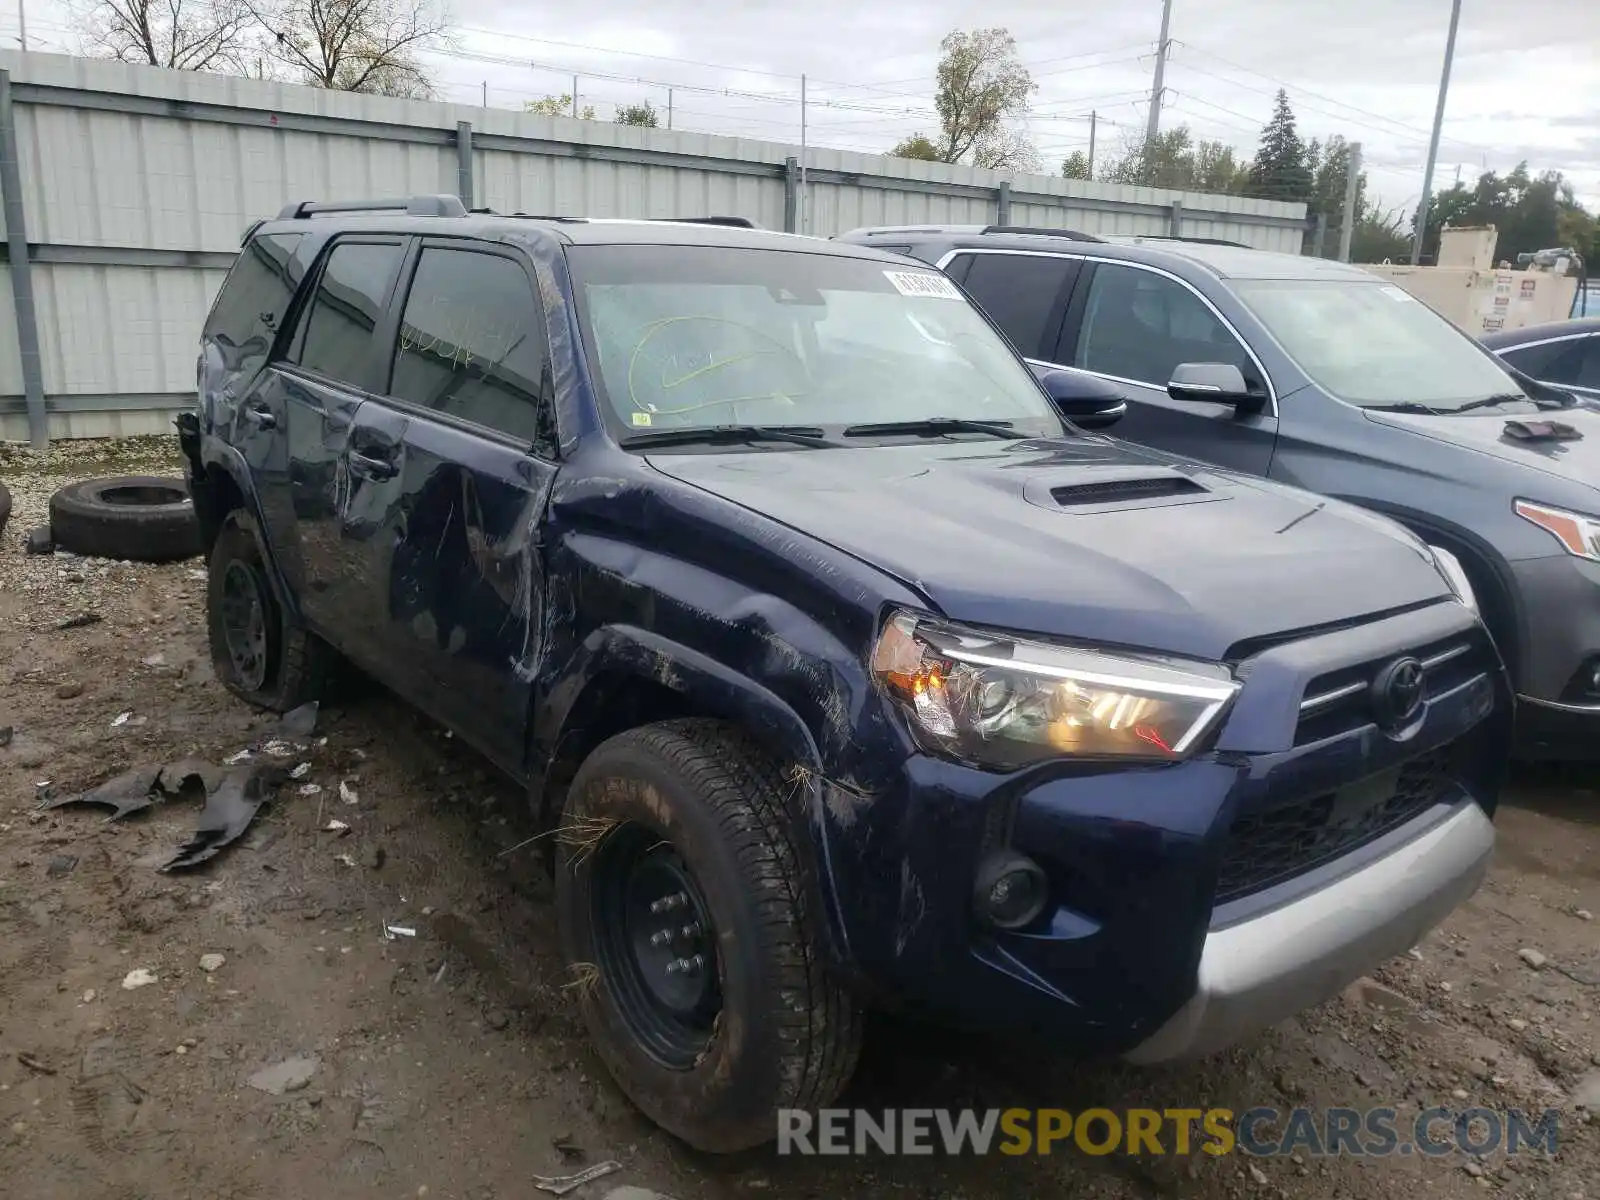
column 21, row 274
column 791, row 192
column 464, row 162
column 1175, row 220
column 1003, row 204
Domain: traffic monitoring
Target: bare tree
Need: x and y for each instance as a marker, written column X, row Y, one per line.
column 185, row 35
column 356, row 45
column 981, row 85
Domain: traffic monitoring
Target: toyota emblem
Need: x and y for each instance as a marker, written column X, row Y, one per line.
column 1397, row 693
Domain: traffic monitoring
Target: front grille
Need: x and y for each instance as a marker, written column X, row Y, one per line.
column 1338, row 702
column 1276, row 843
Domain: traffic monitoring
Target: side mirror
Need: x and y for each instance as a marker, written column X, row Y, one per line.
column 1219, row 383
column 1088, row 401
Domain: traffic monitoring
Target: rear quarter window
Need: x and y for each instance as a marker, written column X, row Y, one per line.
column 255, row 297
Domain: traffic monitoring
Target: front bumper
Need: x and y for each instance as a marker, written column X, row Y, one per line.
column 1150, row 867
column 1261, row 970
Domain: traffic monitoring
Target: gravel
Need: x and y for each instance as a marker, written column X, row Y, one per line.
column 53, row 586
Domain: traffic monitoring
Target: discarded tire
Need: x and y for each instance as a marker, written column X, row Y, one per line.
column 145, row 518
column 5, row 507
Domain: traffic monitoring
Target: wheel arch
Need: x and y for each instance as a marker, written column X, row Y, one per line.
column 627, row 677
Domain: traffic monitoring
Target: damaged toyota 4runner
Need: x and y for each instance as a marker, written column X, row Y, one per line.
column 844, row 670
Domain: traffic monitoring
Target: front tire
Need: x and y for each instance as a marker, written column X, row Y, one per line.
column 675, row 848
column 259, row 652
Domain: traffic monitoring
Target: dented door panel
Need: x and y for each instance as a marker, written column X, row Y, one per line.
column 464, row 581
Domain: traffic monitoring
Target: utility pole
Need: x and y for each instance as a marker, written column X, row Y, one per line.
column 1094, row 119
column 22, row 24
column 1421, row 230
column 1352, row 185
column 669, row 108
column 574, row 97
column 1163, row 48
column 805, row 208
column 486, row 93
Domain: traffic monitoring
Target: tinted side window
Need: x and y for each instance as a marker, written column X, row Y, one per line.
column 473, row 345
column 256, row 294
column 1589, row 371
column 1552, row 362
column 1024, row 294
column 335, row 334
column 1139, row 325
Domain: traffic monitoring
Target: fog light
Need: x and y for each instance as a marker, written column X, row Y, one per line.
column 1011, row 890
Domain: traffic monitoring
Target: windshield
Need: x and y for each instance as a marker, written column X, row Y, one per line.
column 685, row 337
column 1376, row 346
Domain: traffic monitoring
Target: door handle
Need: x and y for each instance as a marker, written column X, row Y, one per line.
column 261, row 417
column 372, row 468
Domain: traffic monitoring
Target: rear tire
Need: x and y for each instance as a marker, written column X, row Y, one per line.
column 260, row 653
column 140, row 518
column 695, row 809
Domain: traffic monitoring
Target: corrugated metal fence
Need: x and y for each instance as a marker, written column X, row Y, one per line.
column 134, row 185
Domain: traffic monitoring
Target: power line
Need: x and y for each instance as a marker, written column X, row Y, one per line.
column 1297, row 89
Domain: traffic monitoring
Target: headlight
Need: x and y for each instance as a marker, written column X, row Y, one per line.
column 1580, row 535
column 1002, row 702
column 1450, row 567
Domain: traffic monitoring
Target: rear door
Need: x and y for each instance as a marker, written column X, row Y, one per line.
column 1024, row 292
column 329, row 369
column 465, row 435
column 1133, row 324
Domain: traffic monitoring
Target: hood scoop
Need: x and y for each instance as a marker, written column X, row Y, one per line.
column 1089, row 490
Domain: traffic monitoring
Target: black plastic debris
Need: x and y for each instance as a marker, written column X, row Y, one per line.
column 299, row 722
column 80, row 621
column 7, row 732
column 131, row 792
column 1542, row 431
column 38, row 541
column 228, row 813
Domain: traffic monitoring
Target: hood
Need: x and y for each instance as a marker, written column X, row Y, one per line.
column 1578, row 461
column 1087, row 538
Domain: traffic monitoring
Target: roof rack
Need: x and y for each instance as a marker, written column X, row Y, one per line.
column 1200, row 241
column 732, row 222
column 1072, row 235
column 414, row 206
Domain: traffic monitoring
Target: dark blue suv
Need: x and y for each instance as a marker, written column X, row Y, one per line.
column 844, row 671
column 1326, row 377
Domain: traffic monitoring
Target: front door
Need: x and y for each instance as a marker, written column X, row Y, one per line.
column 1133, row 325
column 467, row 438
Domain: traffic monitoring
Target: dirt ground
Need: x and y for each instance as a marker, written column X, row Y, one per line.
column 450, row 1064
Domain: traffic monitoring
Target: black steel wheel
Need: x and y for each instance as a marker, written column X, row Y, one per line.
column 689, row 922
column 655, row 943
column 257, row 649
column 245, row 600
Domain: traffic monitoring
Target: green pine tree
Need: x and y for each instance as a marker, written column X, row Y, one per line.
column 1282, row 169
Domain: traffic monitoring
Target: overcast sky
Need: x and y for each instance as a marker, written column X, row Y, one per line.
column 1526, row 83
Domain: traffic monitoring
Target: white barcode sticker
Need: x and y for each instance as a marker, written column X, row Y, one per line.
column 922, row 283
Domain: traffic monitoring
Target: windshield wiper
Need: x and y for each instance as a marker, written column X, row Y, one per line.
column 1407, row 406
column 1495, row 400
column 935, row 425
column 713, row 435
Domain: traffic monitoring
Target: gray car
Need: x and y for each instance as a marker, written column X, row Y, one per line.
column 1324, row 376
